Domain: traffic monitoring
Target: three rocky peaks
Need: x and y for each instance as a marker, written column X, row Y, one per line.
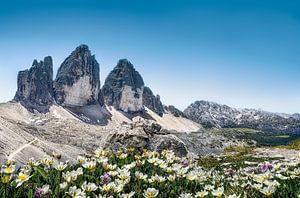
column 77, row 87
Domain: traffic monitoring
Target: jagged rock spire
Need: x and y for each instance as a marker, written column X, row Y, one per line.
column 152, row 102
column 35, row 86
column 123, row 88
column 78, row 81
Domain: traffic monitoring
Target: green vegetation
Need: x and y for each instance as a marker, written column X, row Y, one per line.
column 295, row 144
column 149, row 174
column 263, row 138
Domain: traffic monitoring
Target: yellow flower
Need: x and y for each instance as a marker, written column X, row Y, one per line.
column 10, row 162
column 5, row 179
column 130, row 149
column 137, row 157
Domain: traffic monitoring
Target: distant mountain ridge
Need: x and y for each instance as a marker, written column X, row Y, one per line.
column 211, row 114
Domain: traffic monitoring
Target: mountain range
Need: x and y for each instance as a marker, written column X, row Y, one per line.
column 211, row 114
column 73, row 112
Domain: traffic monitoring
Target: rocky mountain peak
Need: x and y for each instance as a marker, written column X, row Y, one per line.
column 174, row 111
column 81, row 50
column 78, row 81
column 124, row 63
column 35, row 86
column 152, row 102
column 123, row 88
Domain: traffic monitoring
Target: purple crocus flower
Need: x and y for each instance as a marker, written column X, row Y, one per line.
column 39, row 193
column 266, row 167
column 231, row 172
column 105, row 179
column 184, row 163
column 42, row 192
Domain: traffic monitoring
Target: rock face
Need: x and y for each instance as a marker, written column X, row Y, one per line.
column 211, row 114
column 123, row 88
column 152, row 102
column 35, row 86
column 174, row 111
column 78, row 82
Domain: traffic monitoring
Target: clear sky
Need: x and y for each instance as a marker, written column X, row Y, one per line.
column 236, row 52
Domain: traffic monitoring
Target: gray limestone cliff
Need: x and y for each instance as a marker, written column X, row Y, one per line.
column 78, row 81
column 123, row 88
column 152, row 102
column 35, row 86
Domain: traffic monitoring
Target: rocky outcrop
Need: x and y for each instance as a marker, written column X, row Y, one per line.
column 152, row 102
column 168, row 142
column 123, row 88
column 35, row 86
column 78, row 82
column 210, row 114
column 174, row 111
column 143, row 134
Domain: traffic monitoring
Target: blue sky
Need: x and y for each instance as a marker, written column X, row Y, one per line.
column 240, row 53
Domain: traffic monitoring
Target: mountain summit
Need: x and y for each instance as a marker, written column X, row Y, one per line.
column 123, row 88
column 78, row 82
column 35, row 86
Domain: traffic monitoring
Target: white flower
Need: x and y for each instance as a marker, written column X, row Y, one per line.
column 89, row 187
column 108, row 187
column 209, row 187
column 186, row 195
column 46, row 189
column 268, row 191
column 75, row 192
column 127, row 195
column 150, row 193
column 124, row 174
column 61, row 166
column 8, row 169
column 90, row 165
column 201, row 194
column 233, row 196
column 63, row 185
column 140, row 175
column 21, row 178
column 192, row 176
column 218, row 192
column 157, row 178
column 171, row 177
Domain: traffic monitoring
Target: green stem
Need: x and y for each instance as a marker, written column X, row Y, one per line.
column 5, row 190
